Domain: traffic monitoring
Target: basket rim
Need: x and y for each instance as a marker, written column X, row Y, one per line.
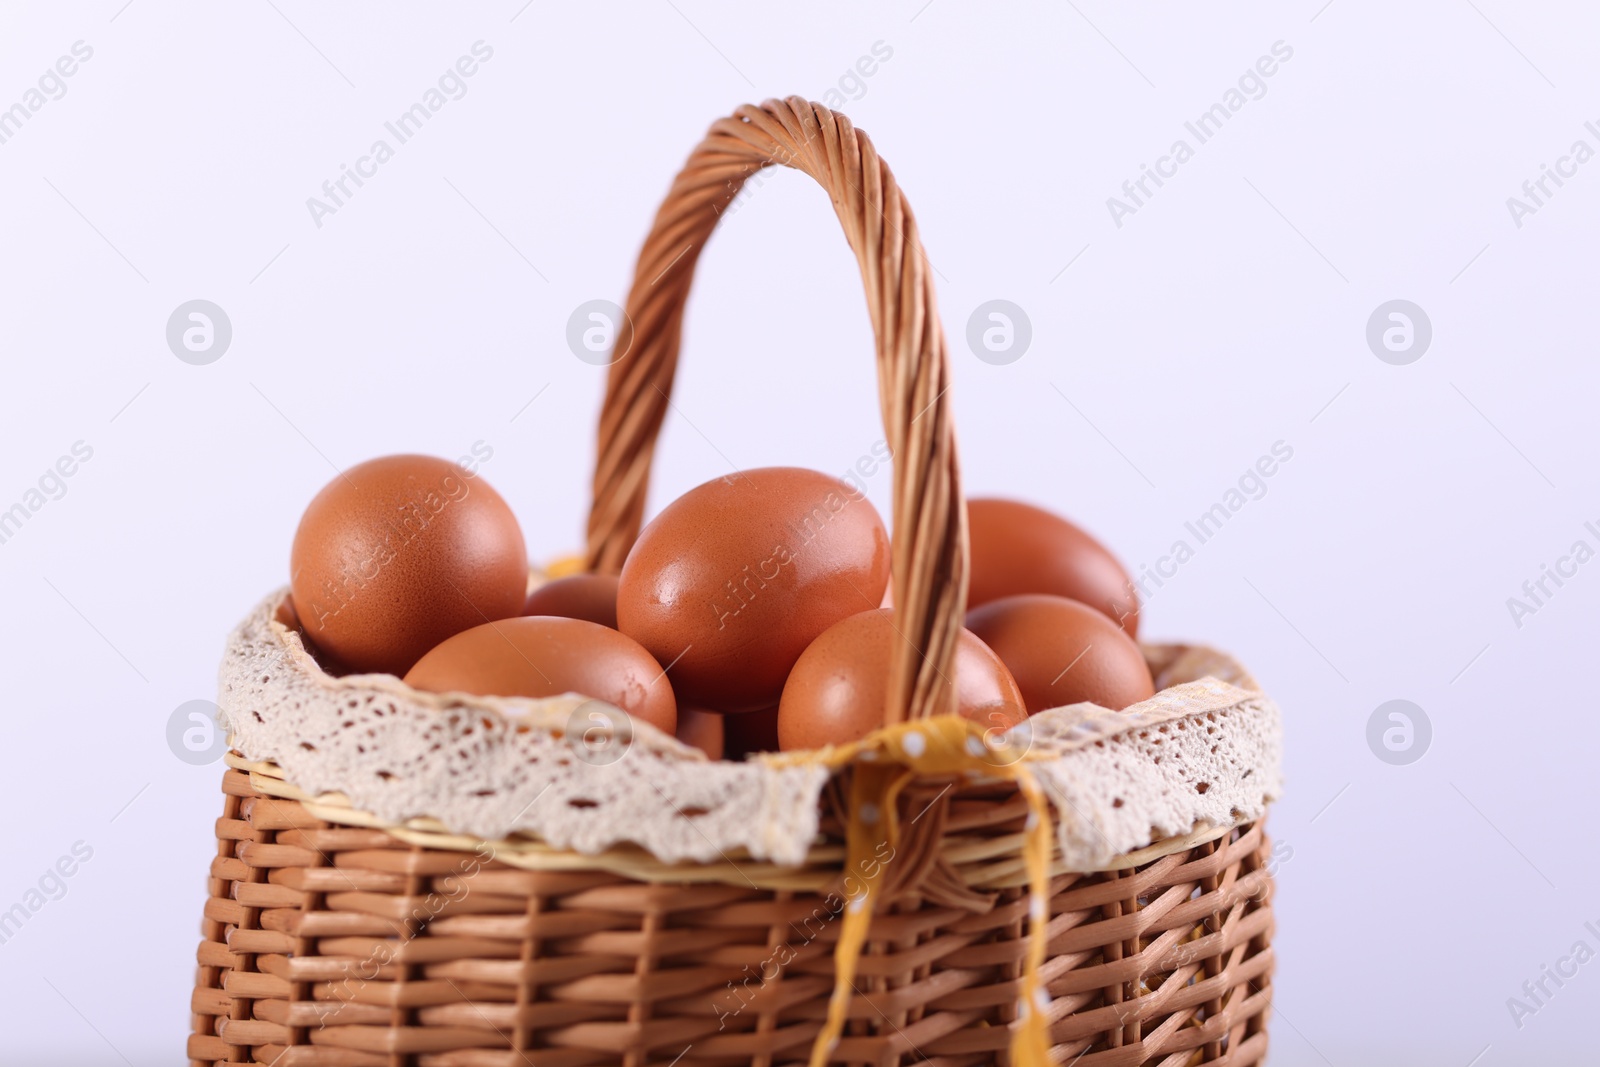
column 269, row 678
column 737, row 867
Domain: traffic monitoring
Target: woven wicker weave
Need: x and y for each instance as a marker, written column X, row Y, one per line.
column 335, row 939
column 336, row 946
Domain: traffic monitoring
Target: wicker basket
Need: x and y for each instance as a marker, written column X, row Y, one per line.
column 937, row 916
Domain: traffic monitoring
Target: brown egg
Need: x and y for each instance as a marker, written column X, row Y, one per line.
column 1063, row 652
column 1018, row 548
column 545, row 656
column 582, row 596
column 701, row 729
column 399, row 553
column 731, row 582
column 287, row 616
column 748, row 732
column 836, row 693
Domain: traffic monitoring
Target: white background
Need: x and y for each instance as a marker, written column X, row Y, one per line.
column 1227, row 314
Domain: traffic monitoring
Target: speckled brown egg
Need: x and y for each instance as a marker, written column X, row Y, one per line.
column 545, row 656
column 731, row 582
column 1018, row 548
column 837, row 692
column 1062, row 652
column 399, row 553
column 582, row 596
column 702, row 729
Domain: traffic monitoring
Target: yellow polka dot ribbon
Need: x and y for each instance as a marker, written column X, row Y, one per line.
column 883, row 764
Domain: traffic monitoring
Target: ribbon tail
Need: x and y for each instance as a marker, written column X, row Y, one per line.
column 1030, row 1038
column 870, row 841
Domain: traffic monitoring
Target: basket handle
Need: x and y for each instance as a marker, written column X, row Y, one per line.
column 930, row 515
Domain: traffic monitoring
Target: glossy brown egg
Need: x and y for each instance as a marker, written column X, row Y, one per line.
column 592, row 597
column 731, row 582
column 1018, row 548
column 748, row 732
column 837, row 692
column 1063, row 652
column 545, row 656
column 701, row 729
column 399, row 553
